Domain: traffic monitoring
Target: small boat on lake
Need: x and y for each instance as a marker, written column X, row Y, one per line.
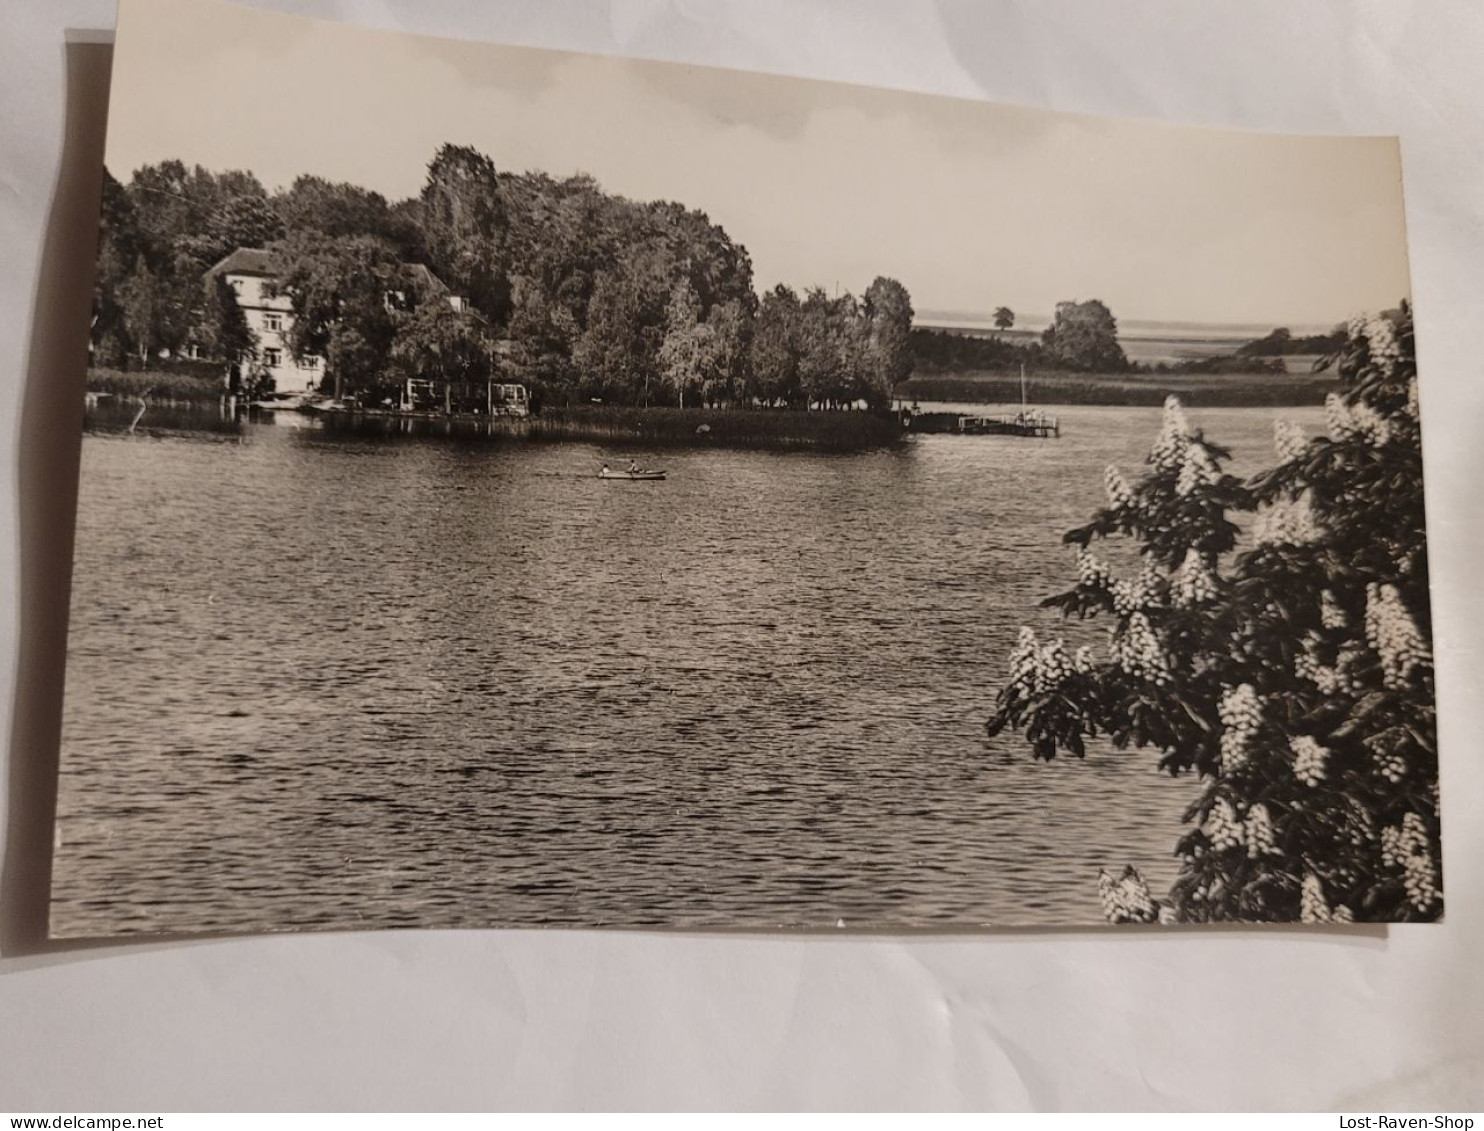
column 641, row 474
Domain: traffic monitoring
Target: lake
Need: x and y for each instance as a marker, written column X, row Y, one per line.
column 324, row 680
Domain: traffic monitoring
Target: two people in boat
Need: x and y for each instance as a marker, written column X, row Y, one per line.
column 633, row 468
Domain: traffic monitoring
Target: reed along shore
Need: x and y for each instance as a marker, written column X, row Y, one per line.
column 616, row 424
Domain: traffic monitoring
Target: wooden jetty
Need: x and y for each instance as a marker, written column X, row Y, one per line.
column 1038, row 424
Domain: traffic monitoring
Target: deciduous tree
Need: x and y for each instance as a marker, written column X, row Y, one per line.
column 1293, row 673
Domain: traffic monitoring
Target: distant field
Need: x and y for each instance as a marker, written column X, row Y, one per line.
column 1233, row 390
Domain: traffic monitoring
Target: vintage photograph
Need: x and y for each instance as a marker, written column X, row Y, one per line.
column 523, row 488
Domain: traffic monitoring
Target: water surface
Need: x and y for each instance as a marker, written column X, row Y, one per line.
column 323, row 680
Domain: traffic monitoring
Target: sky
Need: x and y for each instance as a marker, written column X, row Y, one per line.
column 971, row 205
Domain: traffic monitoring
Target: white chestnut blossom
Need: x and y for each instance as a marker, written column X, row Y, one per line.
column 1194, row 581
column 1381, row 337
column 1338, row 419
column 1224, row 828
column 1393, row 634
column 1023, row 659
column 1309, row 758
column 1287, row 522
column 1036, row 667
column 1168, row 452
column 1196, row 470
column 1126, row 899
column 1289, row 440
column 1240, row 712
column 1314, row 908
column 1120, row 494
column 1136, row 649
column 1140, row 593
column 1370, row 424
column 1092, row 571
column 1406, row 847
column 1259, row 831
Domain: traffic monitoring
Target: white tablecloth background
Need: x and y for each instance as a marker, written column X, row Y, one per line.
column 480, row 1019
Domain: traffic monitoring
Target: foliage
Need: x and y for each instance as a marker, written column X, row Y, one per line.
column 690, row 353
column 436, row 342
column 1292, row 673
column 941, row 351
column 776, row 348
column 1235, row 364
column 156, row 384
column 1281, row 341
column 1084, row 335
column 340, row 209
column 346, row 294
column 1133, row 388
column 887, row 309
column 576, row 286
column 1004, row 318
column 463, row 225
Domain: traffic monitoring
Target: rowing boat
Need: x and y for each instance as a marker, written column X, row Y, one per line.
column 636, row 475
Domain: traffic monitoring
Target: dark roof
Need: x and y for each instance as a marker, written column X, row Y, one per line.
column 258, row 261
column 423, row 280
column 244, row 261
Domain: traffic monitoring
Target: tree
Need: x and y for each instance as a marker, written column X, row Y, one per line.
column 887, row 308
column 1004, row 318
column 833, row 345
column 690, row 354
column 1084, row 336
column 731, row 324
column 247, row 220
column 774, row 356
column 463, row 227
column 222, row 330
column 616, row 354
column 119, row 249
column 345, row 298
column 438, row 343
column 142, row 312
column 334, row 209
column 1295, row 677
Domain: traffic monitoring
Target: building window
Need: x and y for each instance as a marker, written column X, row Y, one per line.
column 273, row 322
column 272, row 357
column 236, row 284
column 310, row 362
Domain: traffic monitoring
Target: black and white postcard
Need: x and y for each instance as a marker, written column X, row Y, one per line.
column 522, row 488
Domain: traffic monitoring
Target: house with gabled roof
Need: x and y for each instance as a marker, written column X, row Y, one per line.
column 270, row 316
column 249, row 271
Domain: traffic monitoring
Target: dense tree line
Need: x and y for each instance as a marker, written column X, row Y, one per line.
column 1082, row 338
column 1282, row 341
column 1222, row 364
column 582, row 294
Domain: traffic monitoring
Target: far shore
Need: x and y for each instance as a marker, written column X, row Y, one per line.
column 1203, row 390
column 1257, row 390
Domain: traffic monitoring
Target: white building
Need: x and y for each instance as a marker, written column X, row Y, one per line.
column 248, row 272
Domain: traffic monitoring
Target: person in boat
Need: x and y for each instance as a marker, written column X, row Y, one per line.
column 634, row 468
column 604, row 471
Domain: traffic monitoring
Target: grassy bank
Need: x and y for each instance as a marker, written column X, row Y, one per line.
column 1199, row 390
column 158, row 385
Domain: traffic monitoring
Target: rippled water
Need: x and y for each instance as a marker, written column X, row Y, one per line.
column 318, row 680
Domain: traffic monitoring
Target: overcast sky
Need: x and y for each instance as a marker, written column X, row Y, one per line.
column 971, row 205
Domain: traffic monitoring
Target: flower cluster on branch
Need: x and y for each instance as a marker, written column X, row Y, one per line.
column 1291, row 671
